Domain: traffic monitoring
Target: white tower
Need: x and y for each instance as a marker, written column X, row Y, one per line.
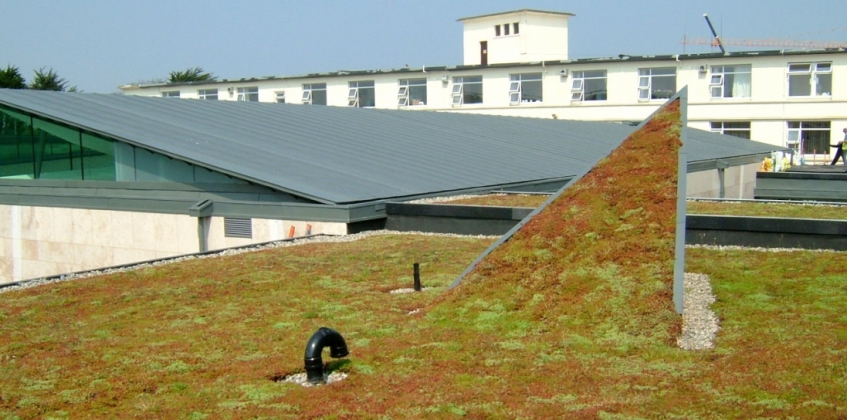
column 519, row 36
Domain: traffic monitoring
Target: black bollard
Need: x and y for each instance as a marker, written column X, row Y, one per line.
column 417, row 277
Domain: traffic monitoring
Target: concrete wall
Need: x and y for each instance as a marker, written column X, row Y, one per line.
column 44, row 241
column 739, row 182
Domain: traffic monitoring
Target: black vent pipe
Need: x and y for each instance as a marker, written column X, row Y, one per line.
column 322, row 338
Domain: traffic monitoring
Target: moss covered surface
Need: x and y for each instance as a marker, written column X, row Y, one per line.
column 770, row 209
column 206, row 339
column 783, row 210
column 603, row 251
column 585, row 332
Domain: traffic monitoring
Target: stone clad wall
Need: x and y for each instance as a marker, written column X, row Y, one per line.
column 44, row 241
column 739, row 182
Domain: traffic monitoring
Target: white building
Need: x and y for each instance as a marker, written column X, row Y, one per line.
column 516, row 63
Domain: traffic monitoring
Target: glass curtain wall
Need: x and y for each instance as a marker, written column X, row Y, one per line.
column 33, row 148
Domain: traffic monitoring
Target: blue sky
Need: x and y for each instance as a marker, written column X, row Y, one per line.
column 98, row 45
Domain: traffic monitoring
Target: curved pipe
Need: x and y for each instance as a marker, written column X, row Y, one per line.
column 323, row 337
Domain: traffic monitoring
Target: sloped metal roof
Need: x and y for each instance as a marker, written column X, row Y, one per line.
column 705, row 146
column 345, row 155
column 547, row 12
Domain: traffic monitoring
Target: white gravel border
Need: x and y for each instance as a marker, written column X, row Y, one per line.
column 302, row 379
column 699, row 322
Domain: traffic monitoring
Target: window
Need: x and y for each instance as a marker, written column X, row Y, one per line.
column 467, row 90
column 730, row 81
column 171, row 94
column 809, row 137
column 588, row 86
column 736, row 128
column 35, row 148
column 506, row 26
column 658, row 83
column 810, row 79
column 314, row 94
column 361, row 94
column 412, row 92
column 208, row 94
column 525, row 88
column 280, row 97
column 248, row 94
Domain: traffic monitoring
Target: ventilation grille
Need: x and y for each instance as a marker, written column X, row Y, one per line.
column 238, row 228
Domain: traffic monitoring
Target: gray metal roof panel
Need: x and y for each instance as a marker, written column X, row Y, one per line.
column 345, row 155
column 706, row 145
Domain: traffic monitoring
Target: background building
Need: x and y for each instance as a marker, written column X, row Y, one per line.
column 516, row 64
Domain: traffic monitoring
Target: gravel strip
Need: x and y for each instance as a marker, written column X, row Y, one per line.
column 407, row 290
column 301, row 378
column 746, row 248
column 699, row 322
column 231, row 251
column 452, row 198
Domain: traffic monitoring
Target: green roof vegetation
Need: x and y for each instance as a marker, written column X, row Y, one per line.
column 206, row 339
column 760, row 209
column 571, row 321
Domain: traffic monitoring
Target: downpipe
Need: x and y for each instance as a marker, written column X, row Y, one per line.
column 323, row 337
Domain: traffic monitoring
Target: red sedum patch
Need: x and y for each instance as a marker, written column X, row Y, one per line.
column 603, row 251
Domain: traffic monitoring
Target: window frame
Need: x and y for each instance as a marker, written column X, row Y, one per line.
column 646, row 91
column 726, row 128
column 458, row 95
column 815, row 73
column 517, row 91
column 308, row 96
column 354, row 96
column 246, row 93
column 206, row 96
column 580, row 77
column 406, row 91
column 802, row 127
column 171, row 94
column 718, row 80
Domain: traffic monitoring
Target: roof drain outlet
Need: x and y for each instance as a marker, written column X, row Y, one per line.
column 323, row 337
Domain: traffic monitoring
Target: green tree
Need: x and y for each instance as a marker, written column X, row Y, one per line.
column 195, row 74
column 48, row 80
column 11, row 78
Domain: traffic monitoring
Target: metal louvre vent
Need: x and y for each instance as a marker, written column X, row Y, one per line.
column 238, row 228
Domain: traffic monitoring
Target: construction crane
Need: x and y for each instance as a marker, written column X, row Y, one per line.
column 719, row 42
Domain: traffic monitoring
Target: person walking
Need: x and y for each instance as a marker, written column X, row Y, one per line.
column 840, row 150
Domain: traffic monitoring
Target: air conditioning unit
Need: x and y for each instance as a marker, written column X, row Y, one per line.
column 445, row 78
column 702, row 68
